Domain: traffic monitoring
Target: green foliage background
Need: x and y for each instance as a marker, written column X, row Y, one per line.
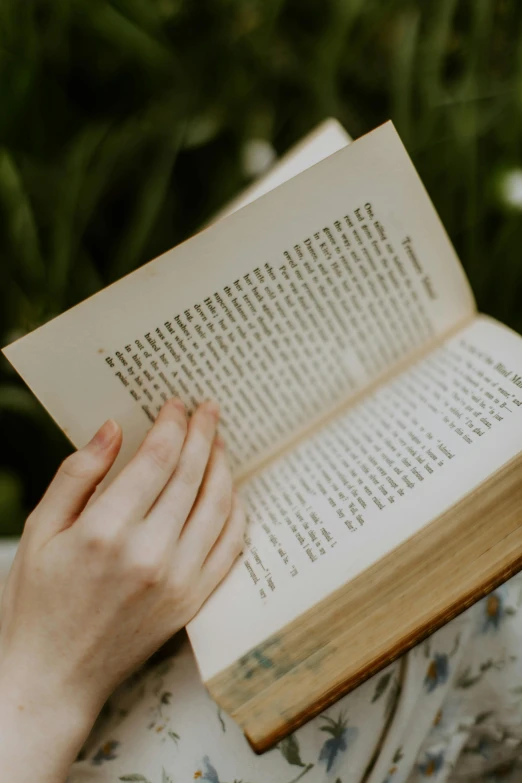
column 123, row 127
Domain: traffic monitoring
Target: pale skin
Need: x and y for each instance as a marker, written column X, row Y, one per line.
column 99, row 583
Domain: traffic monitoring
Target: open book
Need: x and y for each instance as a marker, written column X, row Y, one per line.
column 373, row 418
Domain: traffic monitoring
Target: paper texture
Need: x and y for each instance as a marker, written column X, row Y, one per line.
column 280, row 311
column 364, row 484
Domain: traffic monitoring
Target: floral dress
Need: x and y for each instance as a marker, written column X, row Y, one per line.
column 448, row 711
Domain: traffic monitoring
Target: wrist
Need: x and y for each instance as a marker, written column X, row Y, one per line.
column 30, row 704
column 41, row 728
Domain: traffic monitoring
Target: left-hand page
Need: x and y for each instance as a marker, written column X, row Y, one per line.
column 231, row 314
column 328, row 137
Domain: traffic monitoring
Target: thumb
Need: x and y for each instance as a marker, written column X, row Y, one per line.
column 77, row 479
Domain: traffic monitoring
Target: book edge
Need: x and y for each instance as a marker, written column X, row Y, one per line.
column 450, row 612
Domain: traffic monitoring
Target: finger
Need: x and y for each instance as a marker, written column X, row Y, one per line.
column 175, row 502
column 227, row 548
column 134, row 490
column 210, row 511
column 77, row 479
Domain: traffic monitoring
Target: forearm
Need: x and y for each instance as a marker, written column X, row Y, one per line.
column 40, row 736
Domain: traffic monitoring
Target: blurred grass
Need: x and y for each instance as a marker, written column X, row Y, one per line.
column 123, row 127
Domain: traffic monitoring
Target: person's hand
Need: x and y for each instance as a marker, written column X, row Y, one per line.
column 97, row 587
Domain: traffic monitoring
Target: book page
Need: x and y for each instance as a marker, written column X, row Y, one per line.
column 280, row 311
column 365, row 483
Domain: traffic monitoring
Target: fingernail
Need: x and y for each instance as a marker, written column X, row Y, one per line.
column 213, row 408
column 105, row 435
column 178, row 403
column 220, row 443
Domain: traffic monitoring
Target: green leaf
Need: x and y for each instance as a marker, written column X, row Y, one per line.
column 11, row 505
column 466, row 679
column 301, row 775
column 16, row 399
column 147, row 205
column 329, row 730
column 404, row 71
column 166, row 697
column 393, row 695
column 289, row 747
column 64, row 236
column 381, row 686
column 201, row 130
column 456, row 645
column 164, row 777
column 19, row 223
column 134, row 777
column 127, row 37
column 220, row 718
column 163, row 668
column 483, row 716
column 334, row 727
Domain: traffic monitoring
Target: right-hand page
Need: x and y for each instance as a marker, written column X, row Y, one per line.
column 365, row 483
